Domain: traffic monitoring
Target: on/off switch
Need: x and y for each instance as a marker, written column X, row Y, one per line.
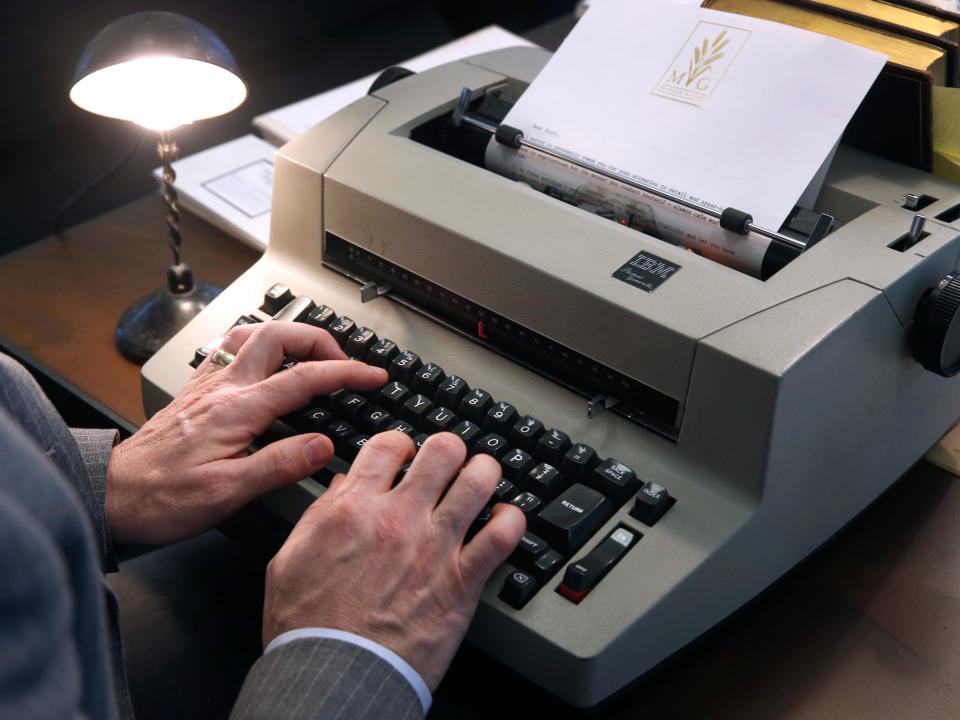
column 582, row 576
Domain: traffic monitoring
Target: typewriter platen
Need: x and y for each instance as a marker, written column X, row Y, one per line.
column 710, row 429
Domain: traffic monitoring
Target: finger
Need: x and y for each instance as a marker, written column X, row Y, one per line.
column 379, row 461
column 468, row 495
column 291, row 389
column 435, row 465
column 236, row 336
column 266, row 346
column 276, row 465
column 492, row 545
column 230, row 342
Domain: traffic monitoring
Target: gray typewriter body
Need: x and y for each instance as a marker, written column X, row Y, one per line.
column 786, row 406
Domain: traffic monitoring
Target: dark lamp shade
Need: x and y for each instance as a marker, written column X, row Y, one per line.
column 159, row 70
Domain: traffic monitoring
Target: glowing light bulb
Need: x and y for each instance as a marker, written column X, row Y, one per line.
column 160, row 93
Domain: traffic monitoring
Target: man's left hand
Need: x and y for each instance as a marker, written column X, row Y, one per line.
column 188, row 467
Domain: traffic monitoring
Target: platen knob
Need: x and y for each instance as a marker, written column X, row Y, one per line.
column 937, row 327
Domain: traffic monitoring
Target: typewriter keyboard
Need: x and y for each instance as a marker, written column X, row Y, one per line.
column 566, row 489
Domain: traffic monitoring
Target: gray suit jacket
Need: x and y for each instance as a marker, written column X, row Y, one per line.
column 60, row 648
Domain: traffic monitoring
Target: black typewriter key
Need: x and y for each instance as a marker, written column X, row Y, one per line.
column 478, row 523
column 246, row 320
column 392, row 396
column 352, row 405
column 451, row 391
column 403, row 427
column 360, row 342
column 474, row 405
column 500, row 418
column 373, row 420
column 547, row 565
column 468, row 432
column 505, row 491
column 652, row 502
column 578, row 463
column 528, row 550
column 427, row 379
column 321, row 317
column 529, row 503
column 316, row 419
column 276, row 298
column 403, row 366
column 493, row 445
column 295, row 310
column 544, row 481
column 516, row 464
column 340, row 433
column 382, row 353
column 570, row 519
column 518, row 588
column 416, row 409
column 401, row 474
column 353, row 447
column 552, row 446
column 341, row 329
column 525, row 433
column 419, row 440
column 439, row 420
column 332, row 401
column 615, row 480
column 288, row 362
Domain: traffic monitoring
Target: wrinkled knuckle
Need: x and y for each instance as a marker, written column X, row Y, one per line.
column 502, row 541
column 346, row 512
column 391, row 443
column 390, row 529
column 478, row 484
column 446, row 444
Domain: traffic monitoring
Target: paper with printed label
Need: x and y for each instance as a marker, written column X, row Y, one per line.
column 723, row 109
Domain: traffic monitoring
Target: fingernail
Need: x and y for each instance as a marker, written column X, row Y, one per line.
column 317, row 451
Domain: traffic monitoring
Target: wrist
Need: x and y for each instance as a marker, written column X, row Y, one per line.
column 118, row 507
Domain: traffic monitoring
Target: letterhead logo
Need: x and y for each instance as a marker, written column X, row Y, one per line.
column 701, row 63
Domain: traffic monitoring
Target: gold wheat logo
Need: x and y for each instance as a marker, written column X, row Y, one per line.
column 704, row 56
column 701, row 62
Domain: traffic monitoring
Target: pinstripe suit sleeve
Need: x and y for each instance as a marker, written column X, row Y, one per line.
column 320, row 678
column 95, row 447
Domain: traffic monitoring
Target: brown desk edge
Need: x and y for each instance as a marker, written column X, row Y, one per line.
column 63, row 296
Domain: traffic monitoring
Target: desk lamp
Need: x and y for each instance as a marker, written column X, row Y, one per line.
column 159, row 70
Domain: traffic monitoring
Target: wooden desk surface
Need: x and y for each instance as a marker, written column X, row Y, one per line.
column 61, row 297
column 869, row 628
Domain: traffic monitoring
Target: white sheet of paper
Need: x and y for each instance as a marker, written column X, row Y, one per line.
column 724, row 109
column 230, row 186
column 284, row 124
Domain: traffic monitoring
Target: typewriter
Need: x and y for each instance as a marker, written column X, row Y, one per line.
column 676, row 447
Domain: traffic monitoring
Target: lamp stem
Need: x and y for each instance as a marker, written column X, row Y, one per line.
column 167, row 149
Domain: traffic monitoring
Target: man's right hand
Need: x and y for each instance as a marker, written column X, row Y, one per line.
column 391, row 565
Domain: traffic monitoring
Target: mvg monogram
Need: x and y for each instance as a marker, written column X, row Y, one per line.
column 701, row 63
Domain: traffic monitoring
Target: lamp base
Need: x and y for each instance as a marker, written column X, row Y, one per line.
column 147, row 324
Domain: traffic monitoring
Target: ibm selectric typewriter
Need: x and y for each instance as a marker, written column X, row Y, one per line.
column 679, row 433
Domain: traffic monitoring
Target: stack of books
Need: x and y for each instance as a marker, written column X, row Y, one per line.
column 907, row 114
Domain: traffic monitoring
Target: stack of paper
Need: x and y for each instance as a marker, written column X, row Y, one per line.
column 230, row 186
column 281, row 126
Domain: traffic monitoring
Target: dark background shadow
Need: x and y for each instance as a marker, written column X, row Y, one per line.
column 287, row 50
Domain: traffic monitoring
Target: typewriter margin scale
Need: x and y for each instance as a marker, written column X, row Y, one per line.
column 751, row 500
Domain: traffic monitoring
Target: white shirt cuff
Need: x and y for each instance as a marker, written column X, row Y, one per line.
column 398, row 663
